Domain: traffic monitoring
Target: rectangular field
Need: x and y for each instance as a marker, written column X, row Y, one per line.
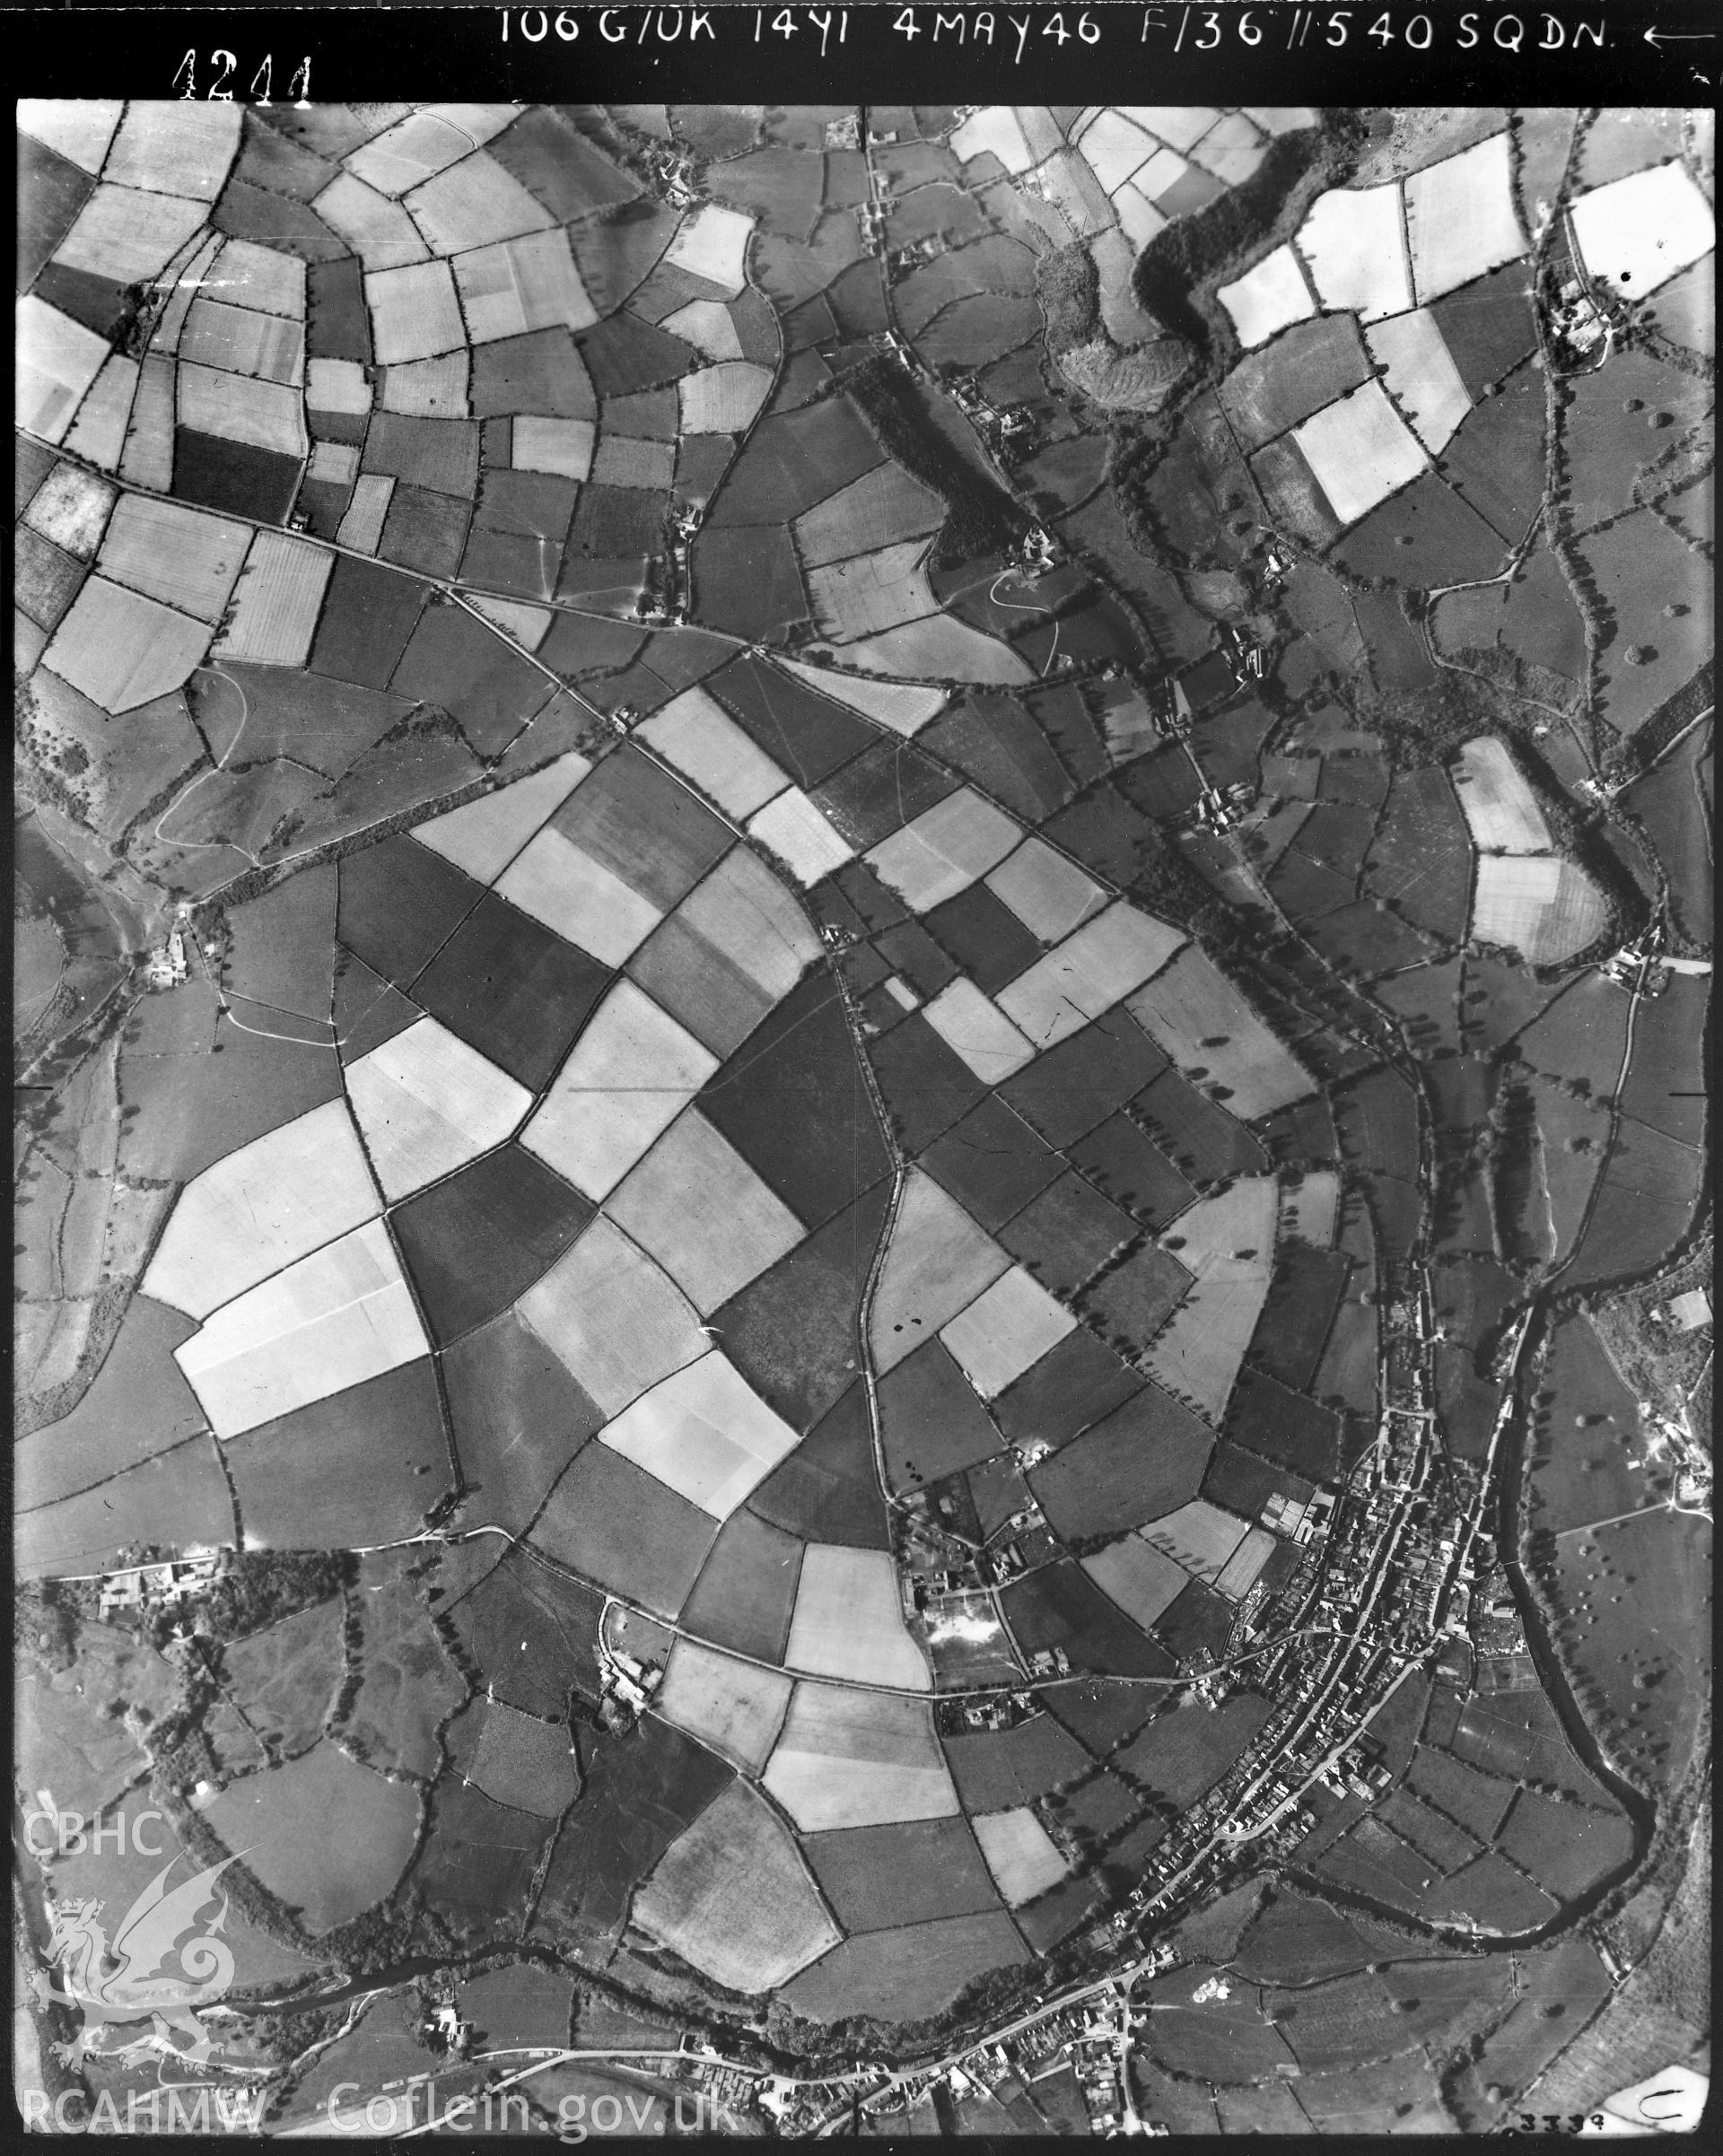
column 1081, row 1380
column 1476, row 1802
column 631, row 1072
column 1141, row 1459
column 882, row 508
column 1633, row 561
column 930, row 1419
column 1309, row 367
column 855, row 1758
column 997, row 1768
column 282, row 1814
column 1303, row 1295
column 1009, row 1325
column 1202, row 1022
column 1360, row 451
column 510, row 989
column 1122, row 1160
column 426, row 1104
column 612, row 1522
column 179, row 556
column 1101, row 962
column 695, row 734
column 1354, row 247
column 1020, row 1855
column 180, row 1495
column 696, row 1206
column 613, row 1317
column 1065, row 1235
column 732, row 949
column 734, row 1897
column 1421, row 376
column 1198, row 1537
column 848, row 1620
column 918, row 1871
column 938, row 1262
column 1227, row 1243
column 309, row 1178
column 1142, row 1580
column 1565, row 1849
column 704, row 1433
column 1186, row 1749
column 1585, row 1436
column 735, row 1706
column 277, row 603
column 907, row 1974
column 1500, row 809
column 1461, row 219
column 121, row 650
column 357, row 1466
column 1060, row 1606
column 330, row 1321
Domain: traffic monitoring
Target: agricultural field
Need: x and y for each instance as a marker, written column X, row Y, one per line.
column 1643, row 571
column 1642, row 1676
column 77, row 1737
column 1534, row 617
column 406, row 1683
column 634, row 1802
column 1672, row 807
column 909, row 1974
column 1646, row 1193
column 282, row 1681
column 1547, row 909
column 1591, row 1458
column 1501, row 810
column 282, row 1813
column 732, row 1896
column 807, row 923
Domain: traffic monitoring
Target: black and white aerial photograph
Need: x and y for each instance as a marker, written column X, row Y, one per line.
column 862, row 964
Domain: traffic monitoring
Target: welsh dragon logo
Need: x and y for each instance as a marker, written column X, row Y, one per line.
column 116, row 1986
